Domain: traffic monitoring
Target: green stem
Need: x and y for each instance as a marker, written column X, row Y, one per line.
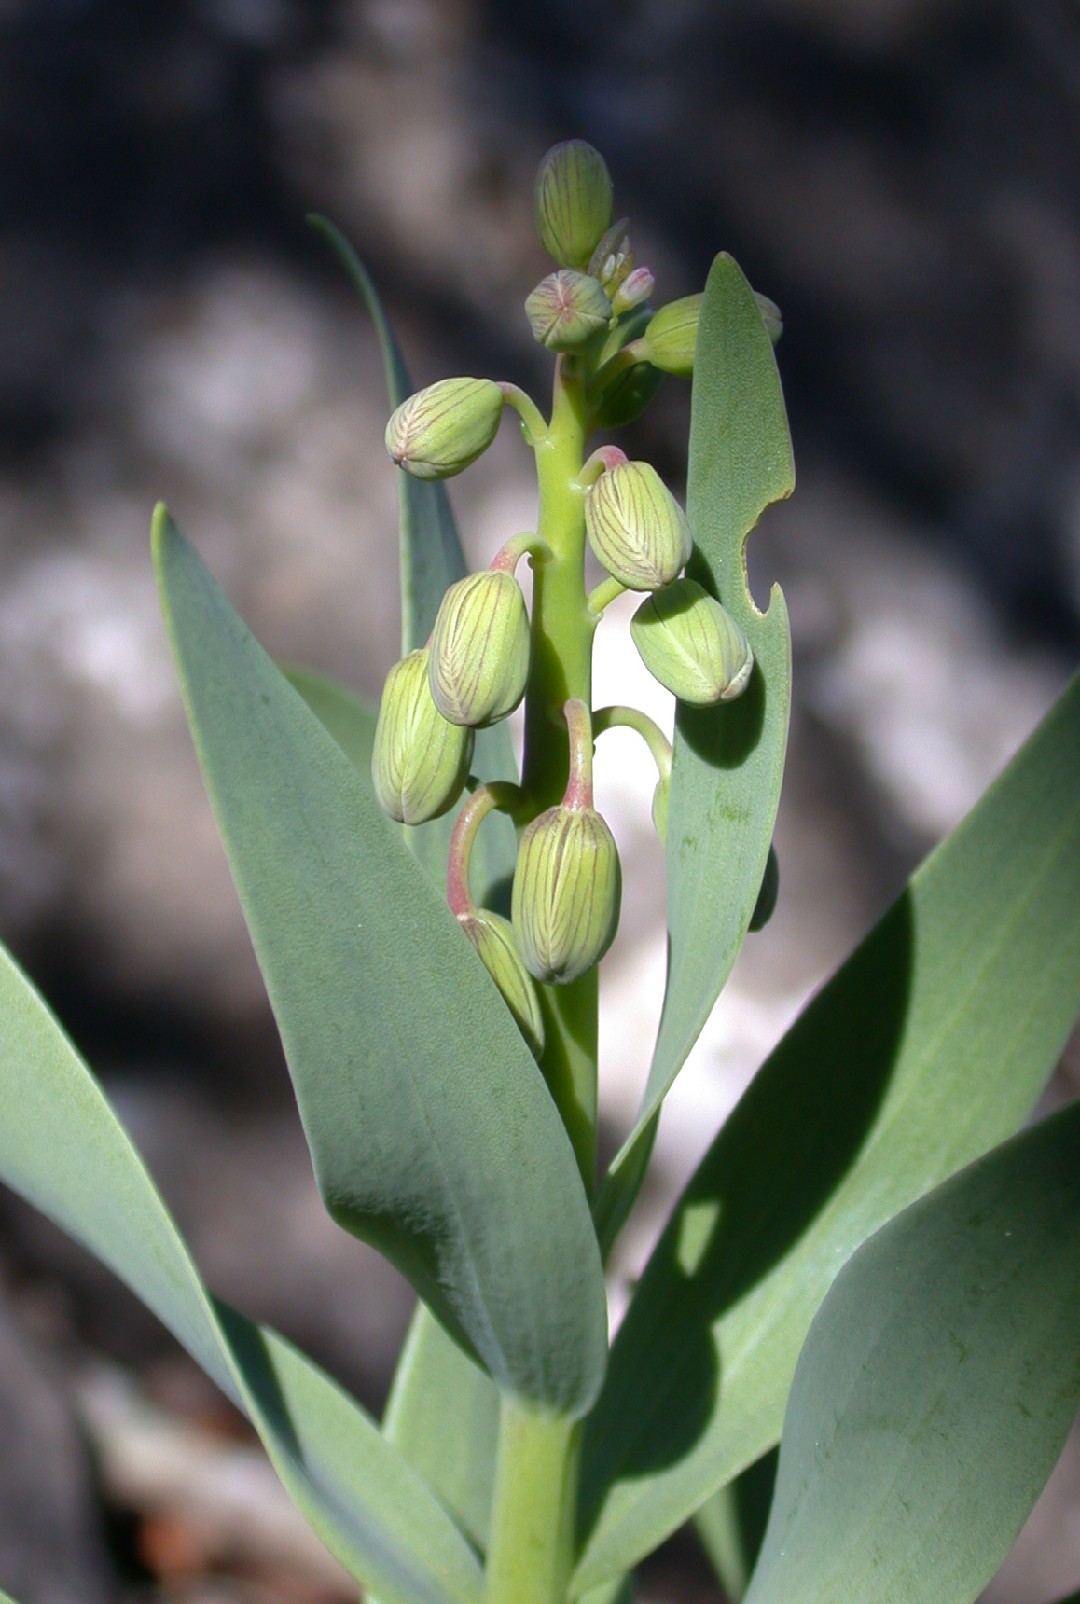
column 531, row 1555
column 561, row 669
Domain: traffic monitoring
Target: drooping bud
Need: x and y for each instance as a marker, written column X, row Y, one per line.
column 634, row 290
column 770, row 312
column 613, row 260
column 479, row 657
column 565, row 901
column 669, row 340
column 419, row 761
column 439, row 431
column 636, row 527
column 493, row 938
column 572, row 200
column 692, row 645
column 566, row 309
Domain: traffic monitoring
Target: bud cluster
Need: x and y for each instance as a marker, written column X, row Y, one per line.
column 614, row 348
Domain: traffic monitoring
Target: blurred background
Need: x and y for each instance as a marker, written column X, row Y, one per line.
column 899, row 175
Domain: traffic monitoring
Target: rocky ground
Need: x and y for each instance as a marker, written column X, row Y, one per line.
column 899, row 176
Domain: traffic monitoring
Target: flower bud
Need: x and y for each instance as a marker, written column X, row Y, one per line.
column 493, row 938
column 636, row 527
column 669, row 340
column 420, row 761
column 692, row 645
column 479, row 657
column 771, row 314
column 572, row 201
column 613, row 260
column 566, row 309
column 634, row 290
column 565, row 901
column 439, row 431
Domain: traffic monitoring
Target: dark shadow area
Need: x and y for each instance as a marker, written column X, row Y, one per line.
column 790, row 1144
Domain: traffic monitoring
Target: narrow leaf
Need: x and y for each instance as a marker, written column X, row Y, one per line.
column 345, row 716
column 728, row 759
column 431, row 1128
column 936, row 1389
column 431, row 559
column 731, row 1524
column 62, row 1148
column 443, row 1415
column 927, row 1047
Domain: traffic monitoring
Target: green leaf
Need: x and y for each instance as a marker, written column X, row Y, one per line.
column 432, row 1131
column 936, row 1389
column 62, row 1148
column 728, row 759
column 443, row 1415
column 349, row 719
column 731, row 1524
column 927, row 1047
column 431, row 559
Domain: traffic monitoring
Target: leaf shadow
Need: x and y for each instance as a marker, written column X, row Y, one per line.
column 793, row 1140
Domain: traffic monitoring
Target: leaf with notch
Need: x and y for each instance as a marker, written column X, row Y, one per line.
column 729, row 759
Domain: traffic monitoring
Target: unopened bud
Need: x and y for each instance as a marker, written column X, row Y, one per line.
column 479, row 658
column 566, row 309
column 613, row 260
column 493, row 938
column 573, row 199
column 565, row 901
column 692, row 645
column 670, row 338
column 420, row 761
column 634, row 290
column 770, row 312
column 439, row 431
column 636, row 527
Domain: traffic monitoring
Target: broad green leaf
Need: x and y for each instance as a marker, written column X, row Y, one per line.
column 729, row 759
column 432, row 1131
column 731, row 1524
column 927, row 1047
column 443, row 1415
column 431, row 559
column 936, row 1389
column 62, row 1148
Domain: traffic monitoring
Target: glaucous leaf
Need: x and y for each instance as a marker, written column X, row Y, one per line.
column 432, row 1132
column 62, row 1148
column 729, row 758
column 926, row 1048
column 935, row 1390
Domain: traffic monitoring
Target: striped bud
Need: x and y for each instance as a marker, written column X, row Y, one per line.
column 636, row 527
column 565, row 901
column 479, row 658
column 692, row 645
column 493, row 938
column 420, row 761
column 669, row 340
column 566, row 309
column 439, row 431
column 572, row 202
column 626, row 396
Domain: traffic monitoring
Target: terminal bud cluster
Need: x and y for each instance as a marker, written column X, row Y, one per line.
column 613, row 350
